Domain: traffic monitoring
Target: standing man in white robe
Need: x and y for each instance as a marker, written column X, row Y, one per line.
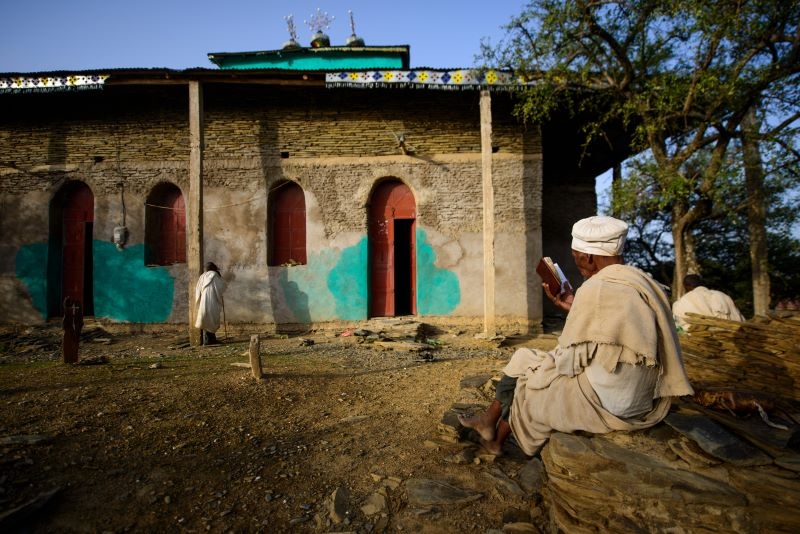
column 208, row 293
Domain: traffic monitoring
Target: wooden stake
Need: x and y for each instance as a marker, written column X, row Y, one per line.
column 255, row 359
column 72, row 325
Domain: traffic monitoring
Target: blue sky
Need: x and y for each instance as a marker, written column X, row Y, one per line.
column 48, row 35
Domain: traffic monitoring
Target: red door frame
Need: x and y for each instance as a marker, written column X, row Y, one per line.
column 76, row 223
column 391, row 200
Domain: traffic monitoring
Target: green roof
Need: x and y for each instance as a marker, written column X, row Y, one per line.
column 328, row 58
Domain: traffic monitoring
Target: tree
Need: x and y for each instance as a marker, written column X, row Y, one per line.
column 756, row 211
column 722, row 238
column 722, row 255
column 680, row 76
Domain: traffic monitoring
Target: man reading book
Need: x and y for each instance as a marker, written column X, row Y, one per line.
column 617, row 364
column 554, row 280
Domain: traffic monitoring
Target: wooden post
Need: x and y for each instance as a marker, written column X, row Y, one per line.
column 255, row 358
column 194, row 218
column 72, row 325
column 488, row 214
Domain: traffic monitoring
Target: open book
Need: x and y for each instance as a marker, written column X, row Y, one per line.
column 553, row 276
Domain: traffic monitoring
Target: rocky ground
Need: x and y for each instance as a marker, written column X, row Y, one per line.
column 340, row 434
column 346, row 431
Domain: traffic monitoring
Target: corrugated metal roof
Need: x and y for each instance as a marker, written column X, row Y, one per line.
column 329, row 57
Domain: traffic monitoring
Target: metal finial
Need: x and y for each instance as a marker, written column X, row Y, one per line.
column 290, row 25
column 352, row 22
column 319, row 21
column 353, row 40
column 292, row 42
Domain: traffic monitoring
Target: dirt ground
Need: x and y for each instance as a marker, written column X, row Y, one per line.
column 159, row 436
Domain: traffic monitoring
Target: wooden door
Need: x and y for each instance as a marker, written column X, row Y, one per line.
column 392, row 257
column 172, row 229
column 288, row 225
column 76, row 266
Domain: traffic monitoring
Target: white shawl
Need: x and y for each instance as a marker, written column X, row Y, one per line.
column 620, row 306
column 208, row 293
column 704, row 301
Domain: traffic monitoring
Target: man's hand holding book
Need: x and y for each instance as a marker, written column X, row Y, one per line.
column 555, row 283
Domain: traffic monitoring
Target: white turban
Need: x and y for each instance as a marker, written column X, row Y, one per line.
column 599, row 235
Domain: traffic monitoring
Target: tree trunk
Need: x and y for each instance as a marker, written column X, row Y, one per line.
column 756, row 212
column 683, row 219
column 692, row 265
column 616, row 180
column 678, row 234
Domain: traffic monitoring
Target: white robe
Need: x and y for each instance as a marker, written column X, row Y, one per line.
column 208, row 293
column 623, row 310
column 704, row 301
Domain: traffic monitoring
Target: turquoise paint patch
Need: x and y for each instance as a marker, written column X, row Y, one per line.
column 294, row 295
column 305, row 288
column 347, row 282
column 125, row 290
column 31, row 269
column 332, row 285
column 438, row 290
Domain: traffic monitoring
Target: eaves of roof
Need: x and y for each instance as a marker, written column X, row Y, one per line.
column 162, row 76
column 159, row 76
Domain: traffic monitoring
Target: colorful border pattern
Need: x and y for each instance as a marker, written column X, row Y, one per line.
column 52, row 83
column 428, row 78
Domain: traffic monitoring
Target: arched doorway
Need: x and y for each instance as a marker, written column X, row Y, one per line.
column 70, row 266
column 392, row 250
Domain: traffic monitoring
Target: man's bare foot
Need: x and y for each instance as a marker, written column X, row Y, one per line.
column 492, row 447
column 480, row 424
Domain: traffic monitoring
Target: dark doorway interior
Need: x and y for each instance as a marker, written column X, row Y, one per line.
column 402, row 266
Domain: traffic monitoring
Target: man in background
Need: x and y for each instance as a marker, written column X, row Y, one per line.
column 208, row 293
column 703, row 301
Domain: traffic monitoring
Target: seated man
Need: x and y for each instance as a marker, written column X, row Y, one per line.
column 617, row 364
column 701, row 300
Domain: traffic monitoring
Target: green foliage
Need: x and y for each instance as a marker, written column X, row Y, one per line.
column 679, row 72
column 681, row 76
column 722, row 238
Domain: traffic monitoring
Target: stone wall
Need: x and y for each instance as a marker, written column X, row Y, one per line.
column 336, row 143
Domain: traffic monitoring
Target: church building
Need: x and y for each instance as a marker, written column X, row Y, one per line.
column 330, row 184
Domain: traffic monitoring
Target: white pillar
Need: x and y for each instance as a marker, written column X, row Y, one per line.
column 194, row 214
column 488, row 214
